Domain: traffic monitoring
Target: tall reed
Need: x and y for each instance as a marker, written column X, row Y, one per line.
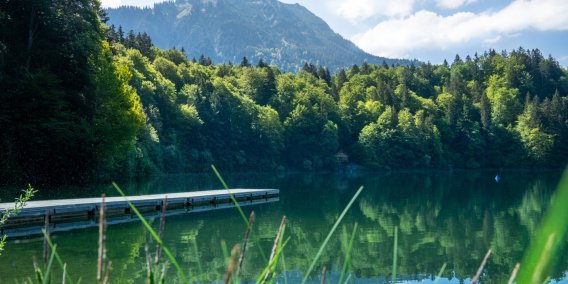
column 326, row 241
column 245, row 242
column 481, row 266
column 161, row 230
column 181, row 273
column 102, row 237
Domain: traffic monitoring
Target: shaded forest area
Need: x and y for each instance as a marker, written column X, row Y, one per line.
column 82, row 100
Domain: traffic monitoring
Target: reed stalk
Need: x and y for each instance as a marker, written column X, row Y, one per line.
column 107, row 272
column 102, row 236
column 514, row 273
column 274, row 262
column 440, row 273
column 46, row 236
column 277, row 238
column 323, row 271
column 481, row 266
column 232, row 263
column 245, row 242
column 150, row 270
column 163, row 274
column 161, row 230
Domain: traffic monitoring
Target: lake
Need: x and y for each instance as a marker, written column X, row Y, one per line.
column 442, row 217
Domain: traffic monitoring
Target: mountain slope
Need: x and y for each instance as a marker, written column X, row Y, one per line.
column 286, row 35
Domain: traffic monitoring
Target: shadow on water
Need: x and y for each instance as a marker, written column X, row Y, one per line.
column 441, row 218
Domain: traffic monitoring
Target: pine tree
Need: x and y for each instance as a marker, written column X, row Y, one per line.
column 341, row 79
column 245, row 62
column 202, row 60
column 485, row 111
column 261, row 64
column 120, row 34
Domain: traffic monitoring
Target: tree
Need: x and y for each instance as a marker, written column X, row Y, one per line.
column 245, row 62
column 505, row 105
column 261, row 64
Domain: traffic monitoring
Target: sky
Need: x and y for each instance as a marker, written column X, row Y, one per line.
column 434, row 30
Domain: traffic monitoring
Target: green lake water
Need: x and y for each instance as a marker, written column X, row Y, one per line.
column 441, row 217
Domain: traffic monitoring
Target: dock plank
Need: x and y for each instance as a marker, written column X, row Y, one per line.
column 35, row 212
column 158, row 198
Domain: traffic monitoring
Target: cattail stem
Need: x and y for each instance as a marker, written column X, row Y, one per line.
column 275, row 248
column 161, row 231
column 107, row 272
column 323, row 275
column 232, row 263
column 245, row 242
column 150, row 274
column 45, row 238
column 476, row 277
column 514, row 274
column 64, row 273
column 102, row 235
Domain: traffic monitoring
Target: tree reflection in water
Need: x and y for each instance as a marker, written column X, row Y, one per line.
column 442, row 218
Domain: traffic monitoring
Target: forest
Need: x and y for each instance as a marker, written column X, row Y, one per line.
column 82, row 100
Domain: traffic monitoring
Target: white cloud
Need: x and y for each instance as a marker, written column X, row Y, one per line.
column 428, row 30
column 110, row 3
column 138, row 3
column 357, row 10
column 453, row 4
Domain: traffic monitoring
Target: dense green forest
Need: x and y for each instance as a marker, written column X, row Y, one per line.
column 79, row 99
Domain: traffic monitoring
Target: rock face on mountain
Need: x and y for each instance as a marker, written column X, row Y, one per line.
column 285, row 35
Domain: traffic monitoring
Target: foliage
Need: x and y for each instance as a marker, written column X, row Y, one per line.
column 113, row 103
column 545, row 250
column 19, row 203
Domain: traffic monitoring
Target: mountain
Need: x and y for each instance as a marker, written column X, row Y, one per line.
column 285, row 35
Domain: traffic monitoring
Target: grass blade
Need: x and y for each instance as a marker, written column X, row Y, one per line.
column 539, row 260
column 271, row 264
column 241, row 212
column 324, row 244
column 348, row 253
column 394, row 254
column 284, row 269
column 64, row 273
column 57, row 256
column 46, row 278
column 154, row 235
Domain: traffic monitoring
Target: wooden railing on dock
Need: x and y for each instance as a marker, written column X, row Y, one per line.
column 69, row 214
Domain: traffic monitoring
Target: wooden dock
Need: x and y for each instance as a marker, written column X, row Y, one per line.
column 67, row 214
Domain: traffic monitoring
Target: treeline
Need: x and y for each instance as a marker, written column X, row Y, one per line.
column 81, row 99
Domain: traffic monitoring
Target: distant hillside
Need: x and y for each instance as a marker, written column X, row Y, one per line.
column 285, row 35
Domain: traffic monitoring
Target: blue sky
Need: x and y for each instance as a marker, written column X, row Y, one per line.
column 434, row 30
